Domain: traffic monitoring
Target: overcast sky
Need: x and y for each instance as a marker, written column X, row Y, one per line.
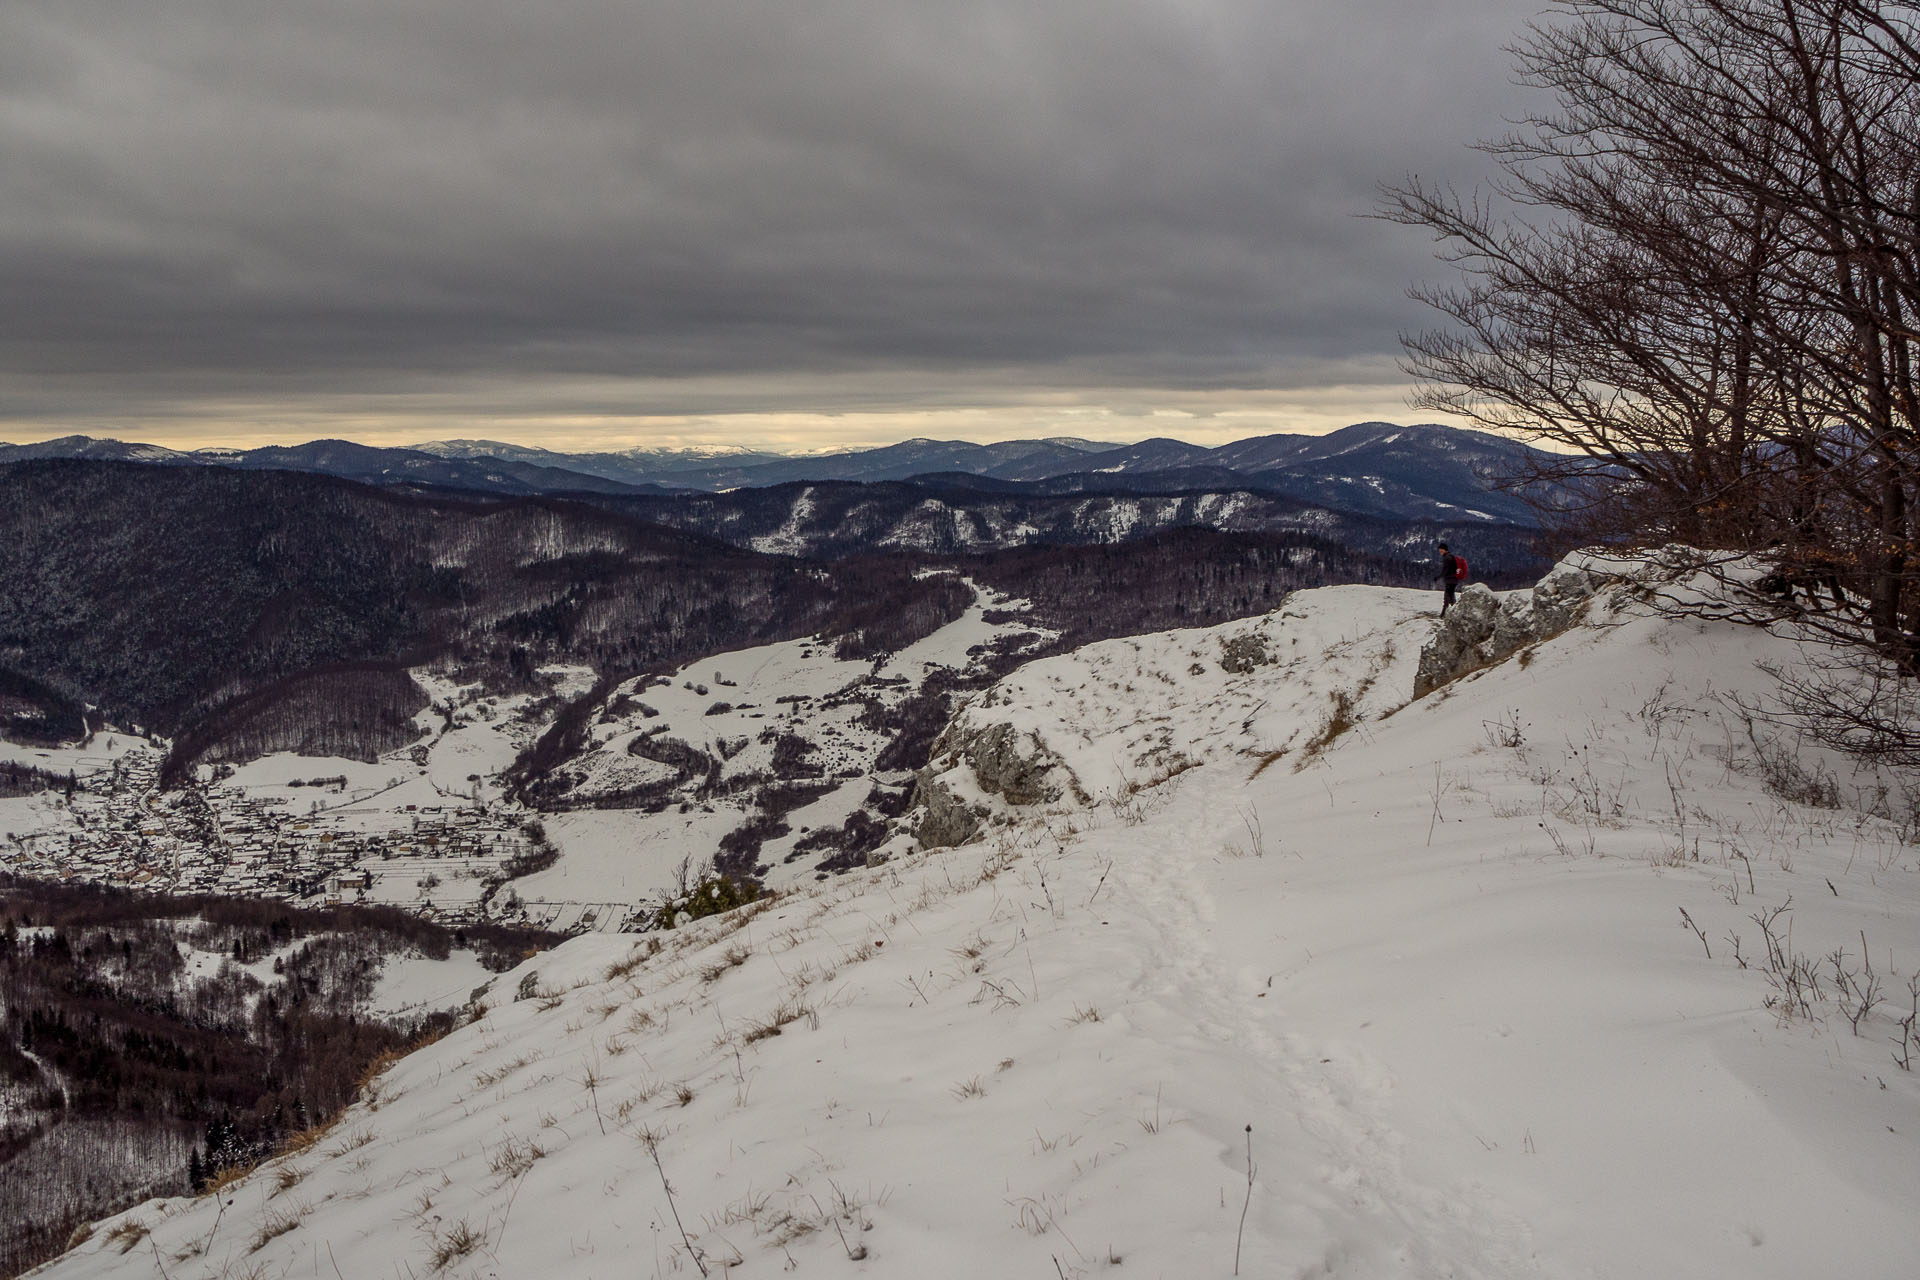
column 791, row 222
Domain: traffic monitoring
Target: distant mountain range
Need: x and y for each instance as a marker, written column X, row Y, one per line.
column 1426, row 472
column 962, row 515
column 365, row 463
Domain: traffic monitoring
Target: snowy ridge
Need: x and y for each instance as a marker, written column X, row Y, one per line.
column 786, row 539
column 1423, row 472
column 1430, row 952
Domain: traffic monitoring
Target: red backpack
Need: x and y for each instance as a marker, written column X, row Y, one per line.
column 1459, row 568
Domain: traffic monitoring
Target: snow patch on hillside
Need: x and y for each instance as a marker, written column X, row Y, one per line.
column 83, row 759
column 787, row 539
column 734, row 708
column 413, row 985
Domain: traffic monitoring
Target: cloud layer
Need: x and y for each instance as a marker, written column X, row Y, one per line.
column 221, row 215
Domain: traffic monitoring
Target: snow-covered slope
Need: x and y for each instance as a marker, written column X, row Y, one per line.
column 787, row 735
column 1422, row 965
column 622, row 861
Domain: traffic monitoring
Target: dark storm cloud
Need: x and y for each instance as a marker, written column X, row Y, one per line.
column 211, row 197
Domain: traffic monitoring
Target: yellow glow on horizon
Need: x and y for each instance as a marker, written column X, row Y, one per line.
column 1203, row 418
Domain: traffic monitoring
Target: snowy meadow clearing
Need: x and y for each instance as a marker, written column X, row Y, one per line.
column 1269, row 971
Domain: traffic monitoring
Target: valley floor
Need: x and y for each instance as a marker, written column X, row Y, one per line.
column 1289, row 977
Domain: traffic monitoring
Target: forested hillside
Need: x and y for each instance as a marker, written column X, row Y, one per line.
column 149, row 1042
column 244, row 612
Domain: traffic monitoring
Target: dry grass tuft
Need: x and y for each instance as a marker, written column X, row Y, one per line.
column 306, row 1139
column 638, row 956
column 276, row 1225
column 1265, row 758
column 515, row 1156
column 225, row 1176
column 792, row 1011
column 488, row 1079
column 458, row 1241
column 1340, row 719
column 353, row 1142
column 128, row 1234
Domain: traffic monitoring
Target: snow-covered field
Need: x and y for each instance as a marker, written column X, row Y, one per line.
column 729, row 706
column 1258, row 990
column 413, row 985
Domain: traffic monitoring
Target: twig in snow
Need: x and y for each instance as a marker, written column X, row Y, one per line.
column 1101, row 885
column 1698, row 931
column 224, row 1202
column 1436, row 804
column 518, row 1182
column 1749, row 862
column 1903, row 1055
column 1256, row 836
column 590, row 1077
column 651, row 1141
column 1241, row 1235
column 1048, row 893
column 853, row 1255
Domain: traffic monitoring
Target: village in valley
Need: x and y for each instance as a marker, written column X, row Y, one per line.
column 312, row 841
column 430, row 828
column 426, row 828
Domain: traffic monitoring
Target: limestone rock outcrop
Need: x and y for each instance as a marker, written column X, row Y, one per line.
column 945, row 820
column 971, row 763
column 1482, row 629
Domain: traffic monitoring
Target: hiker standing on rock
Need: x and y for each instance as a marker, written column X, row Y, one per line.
column 1450, row 570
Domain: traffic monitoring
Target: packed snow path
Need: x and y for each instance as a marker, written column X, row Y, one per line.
column 1431, row 952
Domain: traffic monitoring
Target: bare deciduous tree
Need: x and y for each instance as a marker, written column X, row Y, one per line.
column 1699, row 274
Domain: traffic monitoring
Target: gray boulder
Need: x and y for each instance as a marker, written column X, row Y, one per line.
column 1004, row 769
column 945, row 819
column 1481, row 629
column 1242, row 653
column 1561, row 599
column 1006, row 762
